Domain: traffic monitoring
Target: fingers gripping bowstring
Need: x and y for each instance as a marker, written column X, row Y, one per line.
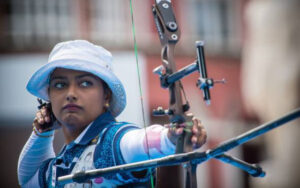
column 139, row 80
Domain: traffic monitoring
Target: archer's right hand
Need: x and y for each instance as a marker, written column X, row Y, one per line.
column 43, row 121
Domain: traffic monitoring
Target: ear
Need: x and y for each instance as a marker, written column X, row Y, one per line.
column 107, row 98
column 107, row 94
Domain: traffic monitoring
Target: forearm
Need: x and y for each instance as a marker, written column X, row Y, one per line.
column 36, row 150
column 135, row 145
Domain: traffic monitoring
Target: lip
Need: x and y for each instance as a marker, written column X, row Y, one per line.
column 72, row 107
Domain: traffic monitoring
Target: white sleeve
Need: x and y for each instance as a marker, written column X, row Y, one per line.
column 36, row 150
column 134, row 145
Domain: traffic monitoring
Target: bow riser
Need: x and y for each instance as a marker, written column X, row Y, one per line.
column 169, row 35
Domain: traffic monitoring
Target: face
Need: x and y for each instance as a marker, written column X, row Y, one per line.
column 77, row 98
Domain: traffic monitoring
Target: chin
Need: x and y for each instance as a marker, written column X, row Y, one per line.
column 71, row 119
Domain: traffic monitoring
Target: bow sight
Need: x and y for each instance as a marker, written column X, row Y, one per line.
column 199, row 65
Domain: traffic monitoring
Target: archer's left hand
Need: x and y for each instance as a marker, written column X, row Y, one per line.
column 198, row 131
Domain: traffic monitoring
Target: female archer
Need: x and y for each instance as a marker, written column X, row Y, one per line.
column 86, row 97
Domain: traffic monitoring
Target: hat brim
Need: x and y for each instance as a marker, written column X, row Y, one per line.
column 39, row 82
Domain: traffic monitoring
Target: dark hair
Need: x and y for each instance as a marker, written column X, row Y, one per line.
column 107, row 90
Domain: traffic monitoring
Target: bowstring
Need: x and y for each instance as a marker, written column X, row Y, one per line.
column 139, row 81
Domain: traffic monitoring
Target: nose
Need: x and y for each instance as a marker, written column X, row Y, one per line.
column 71, row 94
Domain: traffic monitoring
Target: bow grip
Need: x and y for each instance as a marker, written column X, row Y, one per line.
column 184, row 143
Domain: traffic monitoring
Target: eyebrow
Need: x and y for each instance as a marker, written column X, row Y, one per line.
column 84, row 75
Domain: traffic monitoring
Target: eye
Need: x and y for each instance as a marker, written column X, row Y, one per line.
column 86, row 84
column 59, row 85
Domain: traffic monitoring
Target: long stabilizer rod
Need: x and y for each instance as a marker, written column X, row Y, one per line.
column 194, row 157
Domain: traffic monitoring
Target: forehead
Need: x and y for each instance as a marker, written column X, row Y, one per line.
column 65, row 73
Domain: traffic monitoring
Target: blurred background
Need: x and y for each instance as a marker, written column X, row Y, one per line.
column 253, row 44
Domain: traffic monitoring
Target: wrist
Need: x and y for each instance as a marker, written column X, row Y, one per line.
column 167, row 145
column 173, row 138
column 43, row 134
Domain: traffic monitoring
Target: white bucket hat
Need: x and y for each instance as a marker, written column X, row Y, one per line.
column 80, row 55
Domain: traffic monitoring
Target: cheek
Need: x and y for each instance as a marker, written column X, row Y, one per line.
column 97, row 96
column 55, row 106
column 55, row 103
column 95, row 100
column 94, row 106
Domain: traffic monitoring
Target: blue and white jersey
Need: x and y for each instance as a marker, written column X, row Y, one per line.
column 103, row 143
column 97, row 147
